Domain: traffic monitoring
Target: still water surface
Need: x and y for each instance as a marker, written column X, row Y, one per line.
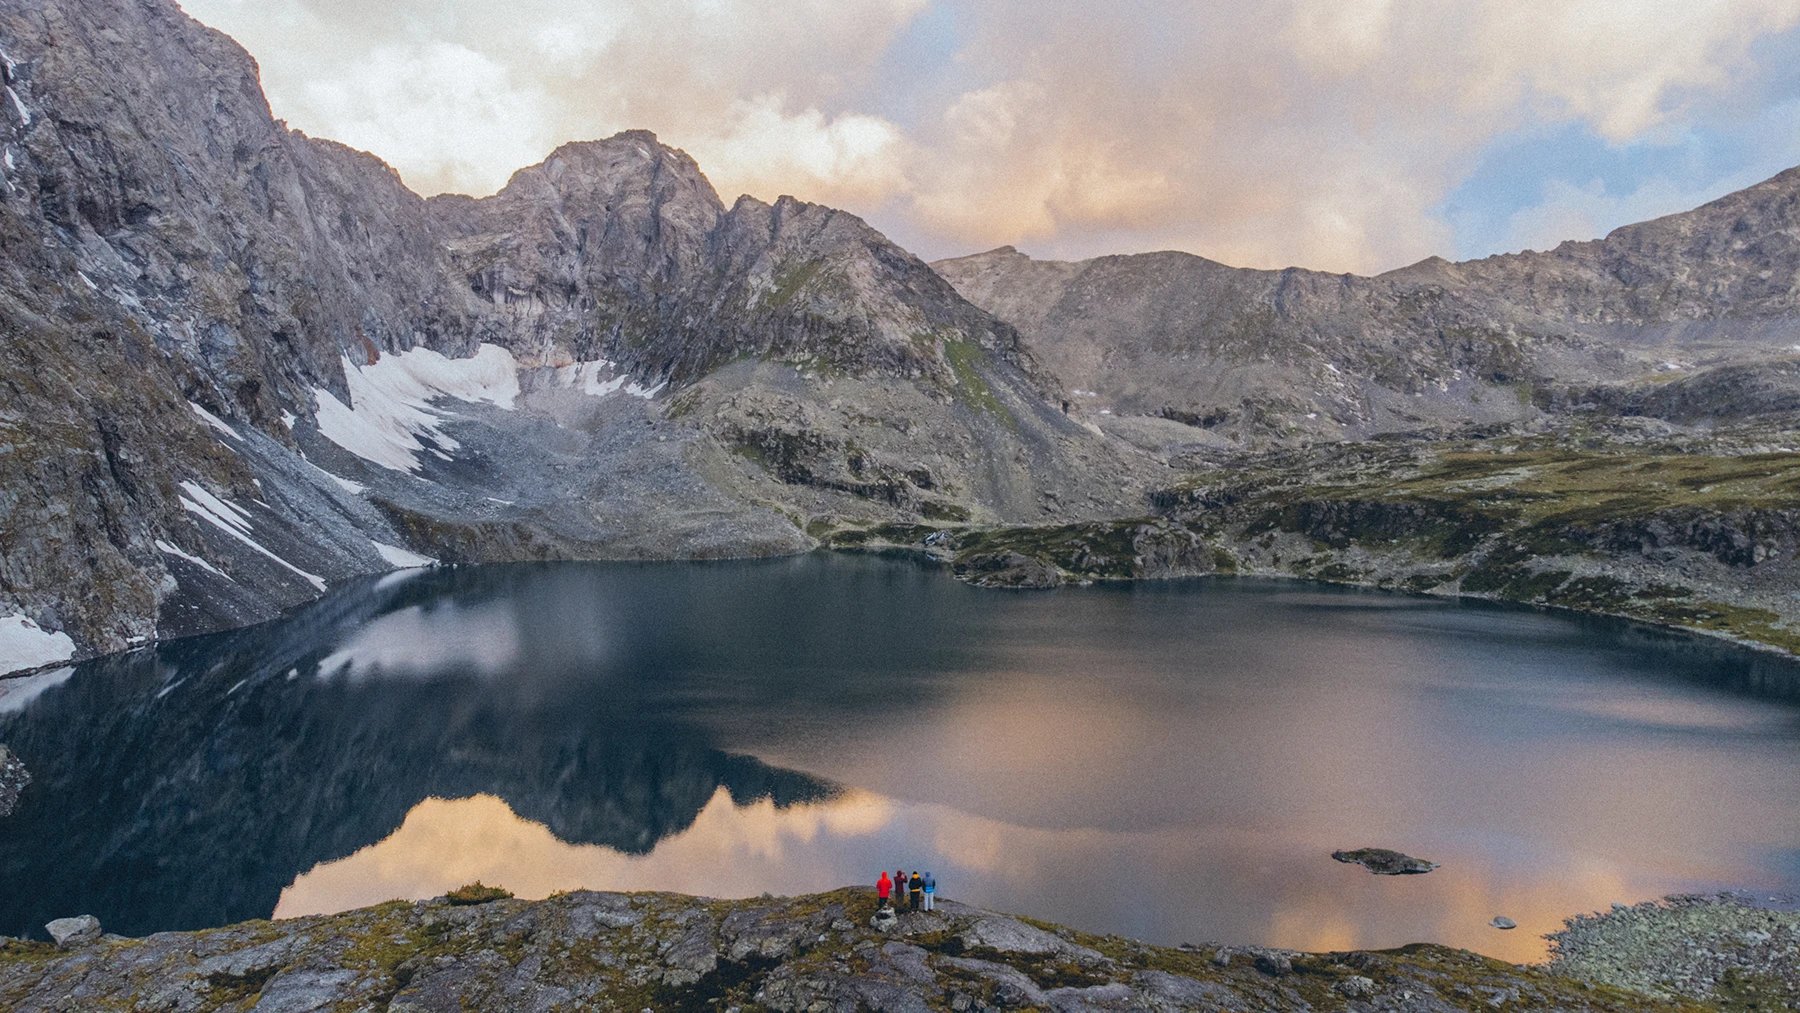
column 1173, row 761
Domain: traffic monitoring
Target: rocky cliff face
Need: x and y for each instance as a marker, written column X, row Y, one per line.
column 1271, row 356
column 241, row 363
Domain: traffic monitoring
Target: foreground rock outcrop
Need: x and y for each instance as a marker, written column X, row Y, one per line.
column 1739, row 951
column 630, row 952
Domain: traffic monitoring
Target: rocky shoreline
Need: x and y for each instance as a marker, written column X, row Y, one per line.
column 1047, row 558
column 1026, row 569
column 481, row 949
column 1670, row 532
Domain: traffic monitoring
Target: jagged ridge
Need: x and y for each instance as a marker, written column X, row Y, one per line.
column 1261, row 356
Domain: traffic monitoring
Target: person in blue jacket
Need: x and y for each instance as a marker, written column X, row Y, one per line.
column 930, row 891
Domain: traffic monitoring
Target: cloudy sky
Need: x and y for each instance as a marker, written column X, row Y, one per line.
column 1340, row 134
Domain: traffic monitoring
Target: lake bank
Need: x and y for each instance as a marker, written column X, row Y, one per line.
column 1654, row 533
column 815, row 952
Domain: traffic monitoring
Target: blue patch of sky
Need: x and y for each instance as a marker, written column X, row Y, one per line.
column 919, row 73
column 1729, row 144
column 1517, row 171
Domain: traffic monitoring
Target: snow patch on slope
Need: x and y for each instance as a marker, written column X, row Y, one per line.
column 24, row 644
column 601, row 377
column 18, row 105
column 214, row 421
column 402, row 558
column 391, row 413
column 353, row 488
column 175, row 551
column 234, row 521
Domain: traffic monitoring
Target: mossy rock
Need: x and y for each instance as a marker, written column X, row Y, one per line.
column 477, row 893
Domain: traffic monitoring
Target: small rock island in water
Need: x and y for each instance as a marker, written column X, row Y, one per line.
column 1383, row 862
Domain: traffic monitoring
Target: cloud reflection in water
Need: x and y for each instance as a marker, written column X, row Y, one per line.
column 1086, row 876
column 1174, row 762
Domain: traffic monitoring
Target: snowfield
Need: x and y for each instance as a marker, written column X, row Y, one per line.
column 391, row 416
column 394, row 413
column 175, row 551
column 234, row 521
column 404, row 559
column 586, row 377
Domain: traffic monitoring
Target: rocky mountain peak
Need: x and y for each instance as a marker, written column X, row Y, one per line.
column 998, row 255
column 631, row 159
column 626, row 215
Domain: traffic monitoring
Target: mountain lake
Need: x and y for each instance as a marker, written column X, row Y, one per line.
column 1174, row 761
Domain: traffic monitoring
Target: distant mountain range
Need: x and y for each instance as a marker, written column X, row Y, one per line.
column 240, row 363
column 1654, row 316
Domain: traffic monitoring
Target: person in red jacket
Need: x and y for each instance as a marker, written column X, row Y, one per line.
column 883, row 887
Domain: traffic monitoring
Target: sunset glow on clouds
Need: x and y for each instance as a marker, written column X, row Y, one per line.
column 1355, row 136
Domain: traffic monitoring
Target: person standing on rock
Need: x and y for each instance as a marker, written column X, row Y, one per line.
column 883, row 887
column 930, row 891
column 916, row 891
column 899, row 889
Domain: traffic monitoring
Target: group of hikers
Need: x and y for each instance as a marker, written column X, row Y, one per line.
column 918, row 893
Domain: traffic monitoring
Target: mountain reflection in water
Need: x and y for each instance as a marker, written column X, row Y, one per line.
column 1169, row 761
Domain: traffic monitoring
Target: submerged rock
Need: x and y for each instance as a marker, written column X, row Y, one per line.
column 13, row 779
column 1384, row 862
column 1502, row 922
